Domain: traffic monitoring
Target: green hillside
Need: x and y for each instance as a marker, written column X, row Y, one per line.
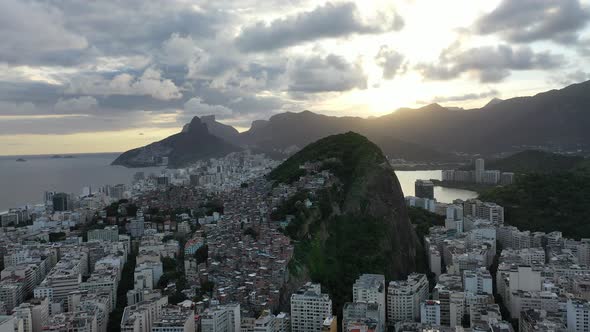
column 357, row 225
column 534, row 161
column 547, row 202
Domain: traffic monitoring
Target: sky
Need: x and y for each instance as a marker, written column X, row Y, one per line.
column 104, row 76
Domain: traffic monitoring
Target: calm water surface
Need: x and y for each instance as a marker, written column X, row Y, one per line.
column 444, row 195
column 24, row 183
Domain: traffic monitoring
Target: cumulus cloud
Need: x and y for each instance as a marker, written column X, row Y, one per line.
column 35, row 33
column 79, row 105
column 180, row 50
column 487, row 63
column 325, row 74
column 526, row 21
column 150, row 83
column 196, row 107
column 182, row 55
column 391, row 61
column 328, row 21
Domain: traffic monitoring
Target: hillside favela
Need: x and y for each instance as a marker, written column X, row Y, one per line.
column 294, row 166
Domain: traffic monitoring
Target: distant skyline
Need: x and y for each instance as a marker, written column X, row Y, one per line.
column 107, row 76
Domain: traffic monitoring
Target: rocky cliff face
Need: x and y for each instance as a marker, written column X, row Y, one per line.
column 193, row 143
column 225, row 132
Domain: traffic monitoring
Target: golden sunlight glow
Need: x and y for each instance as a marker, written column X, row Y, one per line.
column 113, row 141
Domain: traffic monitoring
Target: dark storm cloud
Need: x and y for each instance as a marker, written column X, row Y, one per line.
column 69, row 32
column 523, row 21
column 467, row 96
column 32, row 31
column 488, row 64
column 120, row 26
column 329, row 21
column 325, row 74
column 36, row 92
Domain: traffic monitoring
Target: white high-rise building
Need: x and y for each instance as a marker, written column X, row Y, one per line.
column 404, row 298
column 584, row 252
column 491, row 177
column 479, row 281
column 479, row 170
column 361, row 313
column 226, row 318
column 38, row 309
column 268, row 322
column 64, row 278
column 109, row 233
column 454, row 218
column 25, row 316
column 11, row 293
column 525, row 278
column 483, row 210
column 448, row 175
column 434, row 260
column 578, row 312
column 175, row 319
column 140, row 317
column 152, row 271
column 430, row 312
column 8, row 324
column 370, row 288
column 309, row 308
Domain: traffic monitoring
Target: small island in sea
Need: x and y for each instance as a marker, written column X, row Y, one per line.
column 58, row 156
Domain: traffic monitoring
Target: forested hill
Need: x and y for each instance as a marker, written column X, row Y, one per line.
column 535, row 161
column 358, row 225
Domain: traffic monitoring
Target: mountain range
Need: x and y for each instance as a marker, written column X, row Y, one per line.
column 556, row 118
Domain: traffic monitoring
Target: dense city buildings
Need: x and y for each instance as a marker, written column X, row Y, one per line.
column 197, row 249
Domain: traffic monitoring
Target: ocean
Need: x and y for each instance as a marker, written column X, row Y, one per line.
column 25, row 182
